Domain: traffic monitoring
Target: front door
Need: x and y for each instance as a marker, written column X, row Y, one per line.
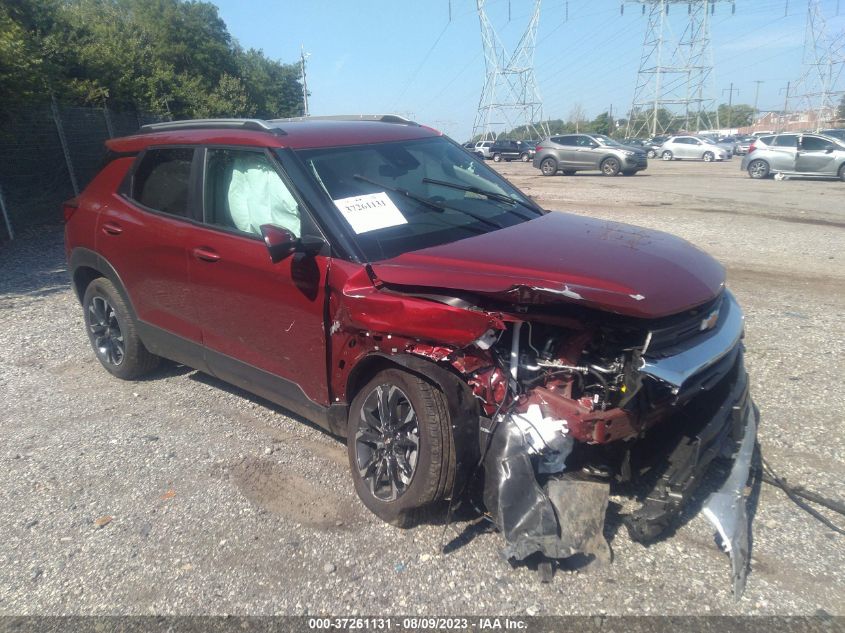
column 816, row 156
column 262, row 322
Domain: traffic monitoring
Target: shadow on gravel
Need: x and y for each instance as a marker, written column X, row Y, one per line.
column 211, row 381
column 34, row 264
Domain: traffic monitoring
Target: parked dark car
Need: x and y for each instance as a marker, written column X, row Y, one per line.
column 569, row 153
column 511, row 150
column 647, row 146
column 375, row 278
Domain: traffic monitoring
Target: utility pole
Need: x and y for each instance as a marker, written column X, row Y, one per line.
column 785, row 105
column 610, row 117
column 730, row 92
column 756, row 96
column 302, row 56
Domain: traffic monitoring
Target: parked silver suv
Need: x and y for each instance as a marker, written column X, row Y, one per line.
column 569, row 153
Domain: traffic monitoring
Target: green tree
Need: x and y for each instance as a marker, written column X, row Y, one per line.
column 166, row 56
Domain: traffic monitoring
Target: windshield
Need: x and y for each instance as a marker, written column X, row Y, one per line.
column 404, row 196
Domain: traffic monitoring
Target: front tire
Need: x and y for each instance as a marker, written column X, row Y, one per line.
column 113, row 332
column 842, row 173
column 609, row 167
column 667, row 155
column 758, row 169
column 708, row 157
column 652, row 153
column 400, row 446
column 548, row 167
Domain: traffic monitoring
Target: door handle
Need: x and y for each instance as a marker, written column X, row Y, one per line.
column 205, row 254
column 112, row 228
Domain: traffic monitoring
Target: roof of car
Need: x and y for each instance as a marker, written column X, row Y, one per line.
column 297, row 133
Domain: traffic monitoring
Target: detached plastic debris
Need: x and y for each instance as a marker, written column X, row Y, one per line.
column 559, row 518
column 725, row 508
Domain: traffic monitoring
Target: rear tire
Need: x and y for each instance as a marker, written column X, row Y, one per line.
column 610, row 167
column 759, row 169
column 400, row 446
column 842, row 173
column 497, row 158
column 548, row 167
column 667, row 155
column 113, row 332
column 708, row 157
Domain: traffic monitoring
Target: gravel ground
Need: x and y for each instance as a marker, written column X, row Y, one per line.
column 181, row 495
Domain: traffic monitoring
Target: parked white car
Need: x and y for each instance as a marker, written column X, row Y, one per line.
column 691, row 148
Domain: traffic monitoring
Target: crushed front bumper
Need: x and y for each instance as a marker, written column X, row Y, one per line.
column 561, row 515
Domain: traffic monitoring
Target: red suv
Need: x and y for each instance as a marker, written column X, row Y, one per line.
column 372, row 276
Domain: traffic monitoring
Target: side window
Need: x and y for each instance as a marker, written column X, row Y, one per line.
column 568, row 140
column 244, row 191
column 786, row 140
column 161, row 180
column 814, row 143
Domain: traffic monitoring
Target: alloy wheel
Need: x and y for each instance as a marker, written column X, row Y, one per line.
column 387, row 442
column 105, row 331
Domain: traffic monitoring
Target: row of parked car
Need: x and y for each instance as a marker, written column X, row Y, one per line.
column 789, row 154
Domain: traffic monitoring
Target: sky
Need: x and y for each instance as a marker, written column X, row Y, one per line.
column 407, row 57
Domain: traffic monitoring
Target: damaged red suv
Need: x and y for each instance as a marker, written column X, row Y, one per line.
column 372, row 276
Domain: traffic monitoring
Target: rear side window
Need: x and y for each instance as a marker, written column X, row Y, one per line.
column 786, row 140
column 565, row 140
column 161, row 180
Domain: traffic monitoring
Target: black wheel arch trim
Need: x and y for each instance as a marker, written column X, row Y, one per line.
column 81, row 257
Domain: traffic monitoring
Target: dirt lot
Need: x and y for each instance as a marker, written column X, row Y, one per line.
column 221, row 503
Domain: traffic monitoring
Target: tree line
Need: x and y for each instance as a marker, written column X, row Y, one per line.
column 169, row 57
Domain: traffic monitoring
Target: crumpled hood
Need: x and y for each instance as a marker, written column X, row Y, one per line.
column 561, row 257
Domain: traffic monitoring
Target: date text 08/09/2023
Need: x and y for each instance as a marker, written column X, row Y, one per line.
column 417, row 623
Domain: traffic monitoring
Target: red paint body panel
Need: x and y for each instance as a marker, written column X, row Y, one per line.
column 608, row 264
column 267, row 315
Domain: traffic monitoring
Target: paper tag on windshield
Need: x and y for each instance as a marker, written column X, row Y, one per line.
column 370, row 212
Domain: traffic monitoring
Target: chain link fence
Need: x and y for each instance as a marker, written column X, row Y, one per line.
column 50, row 153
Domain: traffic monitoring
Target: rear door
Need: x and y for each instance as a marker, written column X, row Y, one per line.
column 142, row 233
column 816, row 155
column 783, row 149
column 567, row 150
column 262, row 322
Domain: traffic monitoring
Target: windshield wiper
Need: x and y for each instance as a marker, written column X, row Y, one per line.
column 492, row 195
column 429, row 203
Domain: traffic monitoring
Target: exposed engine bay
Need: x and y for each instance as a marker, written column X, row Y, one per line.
column 570, row 412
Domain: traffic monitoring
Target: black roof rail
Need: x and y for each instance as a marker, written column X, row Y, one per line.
column 206, row 124
column 382, row 118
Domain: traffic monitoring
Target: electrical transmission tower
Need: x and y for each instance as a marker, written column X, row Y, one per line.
column 510, row 97
column 819, row 89
column 673, row 81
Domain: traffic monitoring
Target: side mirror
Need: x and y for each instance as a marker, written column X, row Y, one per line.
column 281, row 243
